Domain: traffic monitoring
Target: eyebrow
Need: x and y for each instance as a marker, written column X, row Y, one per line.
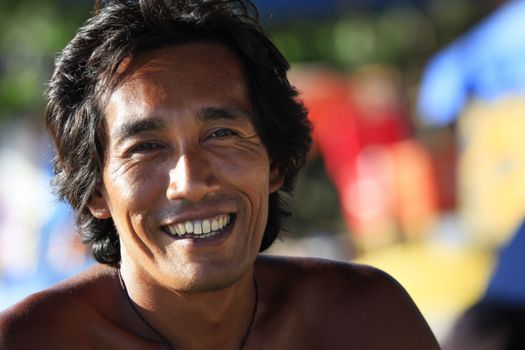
column 218, row 113
column 134, row 127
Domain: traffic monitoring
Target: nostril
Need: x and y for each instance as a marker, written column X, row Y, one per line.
column 210, row 180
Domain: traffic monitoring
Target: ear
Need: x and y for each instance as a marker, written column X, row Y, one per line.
column 276, row 178
column 98, row 206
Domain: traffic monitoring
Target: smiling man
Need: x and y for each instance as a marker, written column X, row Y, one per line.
column 176, row 133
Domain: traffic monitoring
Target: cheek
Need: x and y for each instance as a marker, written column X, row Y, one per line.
column 250, row 177
column 133, row 190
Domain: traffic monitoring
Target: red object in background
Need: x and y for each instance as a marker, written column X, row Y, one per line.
column 335, row 133
column 380, row 112
column 350, row 115
column 358, row 126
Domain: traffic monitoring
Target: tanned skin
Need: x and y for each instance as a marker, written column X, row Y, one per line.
column 181, row 147
column 303, row 304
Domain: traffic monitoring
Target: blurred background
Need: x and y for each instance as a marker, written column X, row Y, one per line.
column 418, row 166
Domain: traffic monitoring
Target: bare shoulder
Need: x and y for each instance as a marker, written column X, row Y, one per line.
column 321, row 276
column 57, row 317
column 354, row 303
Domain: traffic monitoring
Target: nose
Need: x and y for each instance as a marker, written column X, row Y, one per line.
column 192, row 178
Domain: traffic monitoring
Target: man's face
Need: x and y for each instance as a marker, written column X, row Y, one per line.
column 183, row 156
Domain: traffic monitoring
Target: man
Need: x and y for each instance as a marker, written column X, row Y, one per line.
column 176, row 133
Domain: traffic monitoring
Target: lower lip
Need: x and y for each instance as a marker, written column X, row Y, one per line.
column 216, row 239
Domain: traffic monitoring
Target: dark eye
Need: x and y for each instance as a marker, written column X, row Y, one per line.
column 145, row 147
column 219, row 133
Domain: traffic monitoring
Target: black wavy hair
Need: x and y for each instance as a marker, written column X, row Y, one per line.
column 87, row 70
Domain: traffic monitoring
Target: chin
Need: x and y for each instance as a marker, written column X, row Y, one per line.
column 206, row 278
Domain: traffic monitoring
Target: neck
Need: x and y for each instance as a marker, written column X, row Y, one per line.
column 218, row 319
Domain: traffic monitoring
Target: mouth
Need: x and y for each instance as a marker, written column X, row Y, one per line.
column 200, row 228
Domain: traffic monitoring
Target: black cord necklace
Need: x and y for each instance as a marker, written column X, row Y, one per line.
column 163, row 340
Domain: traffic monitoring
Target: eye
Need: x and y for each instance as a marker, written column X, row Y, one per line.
column 220, row 133
column 145, row 147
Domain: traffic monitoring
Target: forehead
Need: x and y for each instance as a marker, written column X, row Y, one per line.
column 179, row 78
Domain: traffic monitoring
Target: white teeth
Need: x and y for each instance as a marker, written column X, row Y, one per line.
column 202, row 229
column 206, row 228
column 197, row 227
column 214, row 225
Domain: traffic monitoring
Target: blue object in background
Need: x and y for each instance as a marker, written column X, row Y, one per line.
column 284, row 10
column 508, row 280
column 486, row 63
column 56, row 260
column 54, row 232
